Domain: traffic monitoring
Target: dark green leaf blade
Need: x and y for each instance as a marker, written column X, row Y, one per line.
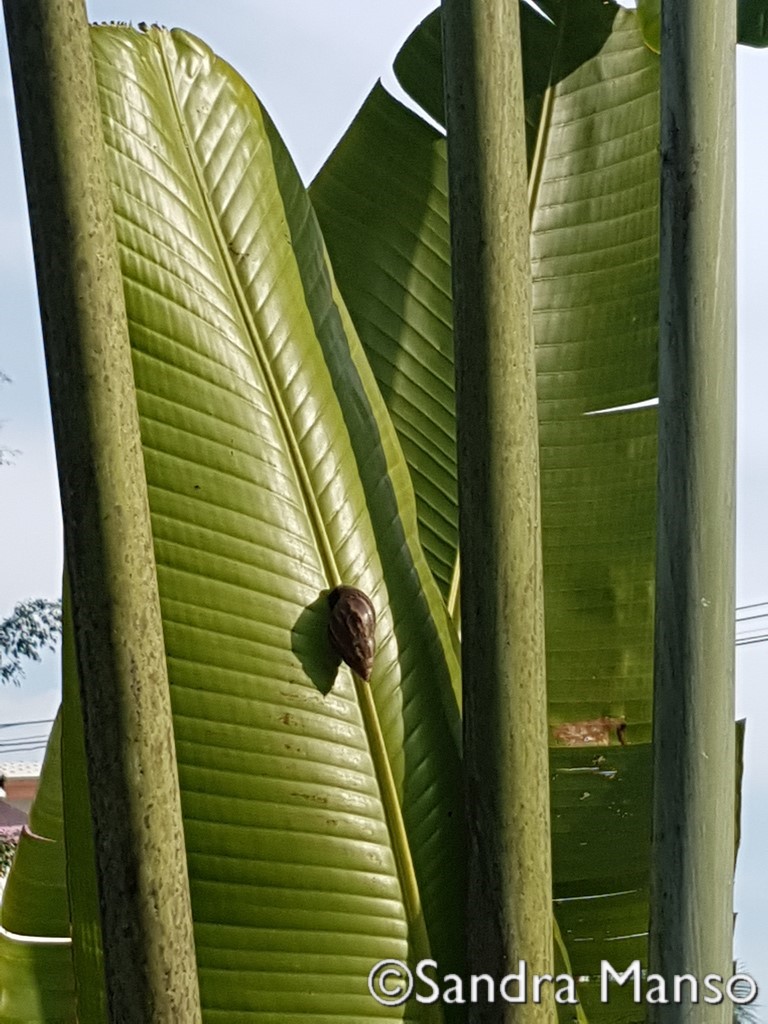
column 751, row 28
column 752, row 25
column 594, row 203
column 384, row 218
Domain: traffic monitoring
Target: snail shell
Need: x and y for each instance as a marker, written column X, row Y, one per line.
column 352, row 627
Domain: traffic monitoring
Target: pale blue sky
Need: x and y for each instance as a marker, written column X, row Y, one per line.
column 312, row 62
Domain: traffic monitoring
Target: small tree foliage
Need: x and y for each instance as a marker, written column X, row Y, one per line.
column 32, row 626
column 9, row 840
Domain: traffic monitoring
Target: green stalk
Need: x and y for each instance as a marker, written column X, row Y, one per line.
column 149, row 954
column 505, row 713
column 694, row 785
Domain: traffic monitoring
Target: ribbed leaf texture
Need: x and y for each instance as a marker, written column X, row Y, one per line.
column 274, row 475
column 322, row 814
column 36, row 978
column 592, row 115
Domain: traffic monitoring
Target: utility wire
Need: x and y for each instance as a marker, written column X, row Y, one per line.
column 40, row 737
column 21, row 750
column 757, row 634
column 33, row 721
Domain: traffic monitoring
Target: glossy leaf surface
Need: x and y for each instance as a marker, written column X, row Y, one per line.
column 322, row 814
column 593, row 206
column 36, row 977
column 594, row 169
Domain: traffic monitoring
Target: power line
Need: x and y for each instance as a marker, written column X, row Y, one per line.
column 751, row 618
column 753, row 634
column 22, row 750
column 23, row 739
column 745, row 641
column 33, row 721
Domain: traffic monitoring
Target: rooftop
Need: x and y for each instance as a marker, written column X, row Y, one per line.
column 20, row 769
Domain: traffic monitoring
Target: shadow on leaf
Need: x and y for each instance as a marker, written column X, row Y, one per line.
column 311, row 645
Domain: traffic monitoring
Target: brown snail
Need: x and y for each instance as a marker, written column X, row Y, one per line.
column 352, row 627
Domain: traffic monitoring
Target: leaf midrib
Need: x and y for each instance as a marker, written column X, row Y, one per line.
column 314, row 516
column 377, row 746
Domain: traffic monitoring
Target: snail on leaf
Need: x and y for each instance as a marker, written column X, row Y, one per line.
column 351, row 629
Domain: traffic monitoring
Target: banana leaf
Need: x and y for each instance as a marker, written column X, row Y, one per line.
column 752, row 22
column 591, row 110
column 36, row 976
column 213, row 346
column 322, row 814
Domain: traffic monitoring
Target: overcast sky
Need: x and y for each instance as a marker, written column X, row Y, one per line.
column 311, row 62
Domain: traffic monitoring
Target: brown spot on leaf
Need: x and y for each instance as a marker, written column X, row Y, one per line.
column 594, row 732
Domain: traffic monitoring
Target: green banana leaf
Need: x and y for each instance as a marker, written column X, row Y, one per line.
column 382, row 203
column 29, row 907
column 596, row 335
column 751, row 22
column 594, row 199
column 36, row 981
column 381, row 200
column 36, row 977
column 322, row 815
column 649, row 17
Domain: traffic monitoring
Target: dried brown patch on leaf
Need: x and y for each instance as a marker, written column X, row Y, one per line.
column 593, row 732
